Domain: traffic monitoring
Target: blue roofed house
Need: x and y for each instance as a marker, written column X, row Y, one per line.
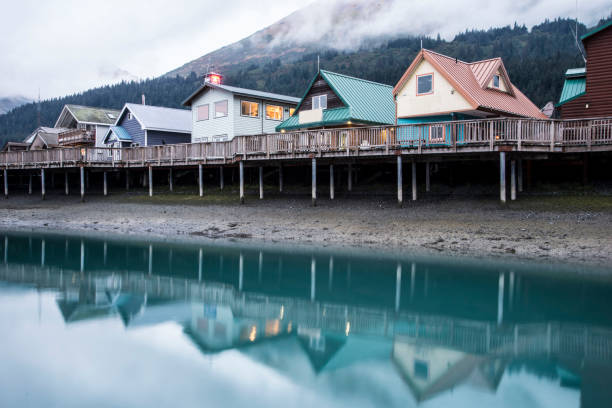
column 145, row 125
column 221, row 112
column 338, row 101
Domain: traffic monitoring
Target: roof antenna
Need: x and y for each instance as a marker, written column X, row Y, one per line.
column 576, row 35
column 421, row 43
column 38, row 108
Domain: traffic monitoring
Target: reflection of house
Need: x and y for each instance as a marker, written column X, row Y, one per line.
column 587, row 92
column 86, row 302
column 431, row 370
column 145, row 125
column 336, row 100
column 221, row 112
column 215, row 328
column 86, row 125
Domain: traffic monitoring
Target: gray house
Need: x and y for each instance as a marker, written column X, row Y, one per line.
column 220, row 112
column 145, row 125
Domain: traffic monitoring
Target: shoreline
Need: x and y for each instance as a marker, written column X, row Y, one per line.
column 463, row 228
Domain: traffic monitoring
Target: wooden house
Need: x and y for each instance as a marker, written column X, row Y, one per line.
column 335, row 101
column 587, row 92
column 86, row 126
column 44, row 138
column 221, row 112
column 145, row 125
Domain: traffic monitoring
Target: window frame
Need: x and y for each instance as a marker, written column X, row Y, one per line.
column 319, row 98
column 249, row 102
column 291, row 111
column 432, row 84
column 198, row 112
column 226, row 109
column 130, row 116
column 434, row 138
column 496, row 77
column 282, row 112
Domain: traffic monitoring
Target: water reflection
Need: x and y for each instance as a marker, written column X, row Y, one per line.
column 395, row 331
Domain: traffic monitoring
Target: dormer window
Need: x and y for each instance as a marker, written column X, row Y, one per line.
column 496, row 81
column 319, row 102
column 425, row 84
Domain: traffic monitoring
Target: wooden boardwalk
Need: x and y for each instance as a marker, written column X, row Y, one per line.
column 459, row 140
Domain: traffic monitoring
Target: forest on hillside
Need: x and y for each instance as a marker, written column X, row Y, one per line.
column 536, row 60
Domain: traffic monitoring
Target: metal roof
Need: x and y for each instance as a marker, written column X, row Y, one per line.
column 573, row 87
column 596, row 30
column 160, row 118
column 87, row 114
column 243, row 91
column 462, row 76
column 120, row 133
column 365, row 102
column 575, row 72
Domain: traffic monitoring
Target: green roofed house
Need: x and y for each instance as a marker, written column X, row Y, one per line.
column 86, row 126
column 336, row 101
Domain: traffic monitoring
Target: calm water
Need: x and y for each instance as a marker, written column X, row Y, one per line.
column 114, row 323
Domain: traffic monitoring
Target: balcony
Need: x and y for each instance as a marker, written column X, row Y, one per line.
column 77, row 137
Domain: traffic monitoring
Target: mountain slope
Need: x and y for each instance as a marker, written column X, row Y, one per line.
column 10, row 102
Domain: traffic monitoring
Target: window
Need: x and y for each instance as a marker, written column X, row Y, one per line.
column 436, row 133
column 496, row 81
column 424, row 84
column 319, row 102
column 421, row 369
column 219, row 138
column 291, row 111
column 274, row 112
column 250, row 109
column 220, row 109
column 111, row 116
column 202, row 112
column 129, row 115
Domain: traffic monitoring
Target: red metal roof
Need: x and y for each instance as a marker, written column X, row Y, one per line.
column 471, row 80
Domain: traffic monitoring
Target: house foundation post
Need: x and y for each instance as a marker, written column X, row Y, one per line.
column 5, row 173
column 241, row 171
column 331, row 182
column 280, row 178
column 201, row 179
column 414, row 181
column 150, row 181
column 502, row 177
column 350, row 177
column 127, row 180
column 66, row 184
column 261, row 190
column 42, row 183
column 314, row 182
column 520, row 175
column 105, row 181
column 427, row 180
column 30, row 184
column 82, row 175
column 400, row 193
column 221, row 181
column 513, row 180
column 170, row 180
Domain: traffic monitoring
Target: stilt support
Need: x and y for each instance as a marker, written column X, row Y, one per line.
column 513, row 180
column 82, row 176
column 502, row 177
column 150, row 181
column 66, row 184
column 201, row 179
column 331, row 182
column 314, row 182
column 400, row 193
column 241, row 171
column 261, row 192
column 105, row 184
column 414, row 181
column 42, row 183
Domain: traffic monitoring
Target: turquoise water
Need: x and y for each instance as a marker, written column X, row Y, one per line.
column 118, row 323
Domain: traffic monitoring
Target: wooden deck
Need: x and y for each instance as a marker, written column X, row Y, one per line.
column 448, row 138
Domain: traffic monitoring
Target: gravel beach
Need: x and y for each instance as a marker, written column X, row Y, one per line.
column 573, row 229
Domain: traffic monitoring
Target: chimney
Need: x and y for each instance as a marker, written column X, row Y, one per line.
column 143, row 99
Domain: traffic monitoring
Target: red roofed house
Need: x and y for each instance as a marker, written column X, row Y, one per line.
column 437, row 88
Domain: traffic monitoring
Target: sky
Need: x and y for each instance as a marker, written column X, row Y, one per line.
column 67, row 46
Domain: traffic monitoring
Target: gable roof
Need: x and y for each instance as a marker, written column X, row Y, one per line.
column 159, row 118
column 364, row 102
column 574, row 85
column 120, row 133
column 57, row 131
column 596, row 30
column 244, row 92
column 88, row 115
column 471, row 80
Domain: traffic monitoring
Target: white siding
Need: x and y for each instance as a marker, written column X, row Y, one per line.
column 204, row 130
column 244, row 125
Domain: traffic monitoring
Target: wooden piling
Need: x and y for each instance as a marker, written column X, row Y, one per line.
column 513, row 180
column 502, row 177
column 127, row 180
column 42, row 183
column 105, row 184
column 350, row 177
column 414, row 181
column 170, row 180
column 241, row 171
column 201, row 179
column 221, row 181
column 150, row 181
column 5, row 173
column 280, row 178
column 520, row 175
column 427, row 179
column 261, row 190
column 82, row 175
column 314, row 182
column 66, row 184
column 400, row 193
column 331, row 182
column 30, row 184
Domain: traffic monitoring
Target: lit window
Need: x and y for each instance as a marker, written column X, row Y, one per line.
column 220, row 109
column 274, row 112
column 496, row 81
column 291, row 111
column 202, row 112
column 424, row 84
column 319, row 102
column 250, row 109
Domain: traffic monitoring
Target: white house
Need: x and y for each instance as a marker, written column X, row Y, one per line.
column 221, row 112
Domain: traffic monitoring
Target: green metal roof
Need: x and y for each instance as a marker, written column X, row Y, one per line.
column 574, row 86
column 365, row 102
column 596, row 30
column 93, row 115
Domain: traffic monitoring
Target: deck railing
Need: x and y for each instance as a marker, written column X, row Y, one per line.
column 518, row 134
